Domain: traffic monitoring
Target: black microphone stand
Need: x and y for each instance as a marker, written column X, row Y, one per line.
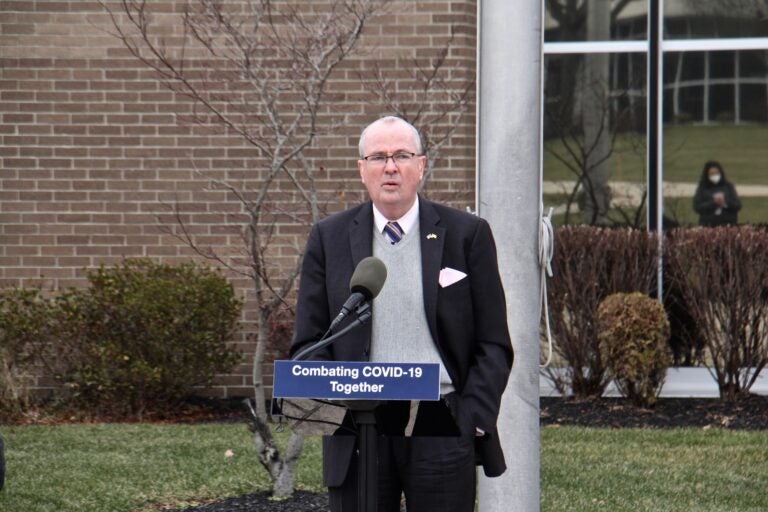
column 363, row 313
column 364, row 418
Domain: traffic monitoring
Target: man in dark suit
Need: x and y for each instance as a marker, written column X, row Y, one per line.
column 442, row 302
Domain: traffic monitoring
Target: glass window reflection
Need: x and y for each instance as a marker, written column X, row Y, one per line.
column 691, row 19
column 717, row 112
column 595, row 20
column 595, row 139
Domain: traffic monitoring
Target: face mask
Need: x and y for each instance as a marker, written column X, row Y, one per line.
column 715, row 178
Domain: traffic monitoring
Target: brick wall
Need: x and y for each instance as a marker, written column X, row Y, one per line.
column 95, row 151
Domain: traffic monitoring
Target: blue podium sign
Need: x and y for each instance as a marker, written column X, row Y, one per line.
column 356, row 381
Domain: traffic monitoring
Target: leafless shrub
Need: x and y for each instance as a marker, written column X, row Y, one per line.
column 430, row 98
column 722, row 276
column 590, row 264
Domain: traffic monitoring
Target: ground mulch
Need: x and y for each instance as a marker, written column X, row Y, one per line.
column 750, row 413
column 262, row 502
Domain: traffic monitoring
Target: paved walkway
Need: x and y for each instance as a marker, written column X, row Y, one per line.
column 629, row 193
column 680, row 382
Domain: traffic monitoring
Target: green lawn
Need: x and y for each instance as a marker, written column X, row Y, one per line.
column 742, row 150
column 654, row 470
column 753, row 210
column 131, row 467
column 117, row 467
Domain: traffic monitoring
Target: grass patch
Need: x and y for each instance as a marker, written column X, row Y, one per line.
column 124, row 467
column 740, row 148
column 121, row 467
column 753, row 210
column 652, row 470
column 627, row 162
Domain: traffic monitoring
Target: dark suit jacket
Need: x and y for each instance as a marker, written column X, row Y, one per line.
column 467, row 320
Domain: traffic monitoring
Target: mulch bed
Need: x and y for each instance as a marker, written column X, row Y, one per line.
column 750, row 413
column 261, row 502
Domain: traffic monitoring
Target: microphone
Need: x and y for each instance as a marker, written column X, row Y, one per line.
column 366, row 283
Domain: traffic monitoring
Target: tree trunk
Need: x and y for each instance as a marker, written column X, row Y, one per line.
column 285, row 474
column 281, row 467
column 595, row 199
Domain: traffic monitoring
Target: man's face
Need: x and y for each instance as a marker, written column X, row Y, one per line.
column 391, row 185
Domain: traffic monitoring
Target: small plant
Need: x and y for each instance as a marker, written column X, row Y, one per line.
column 144, row 334
column 633, row 331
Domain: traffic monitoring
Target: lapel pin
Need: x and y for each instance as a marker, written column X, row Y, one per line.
column 431, row 236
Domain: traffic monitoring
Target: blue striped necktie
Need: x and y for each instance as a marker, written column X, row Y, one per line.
column 394, row 232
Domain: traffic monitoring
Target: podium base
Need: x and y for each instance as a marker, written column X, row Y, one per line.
column 367, row 468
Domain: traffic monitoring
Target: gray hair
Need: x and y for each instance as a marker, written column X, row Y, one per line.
column 390, row 120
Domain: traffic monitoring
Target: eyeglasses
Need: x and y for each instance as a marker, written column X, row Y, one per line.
column 380, row 159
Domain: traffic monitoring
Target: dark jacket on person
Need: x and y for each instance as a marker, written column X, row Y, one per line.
column 467, row 320
column 703, row 201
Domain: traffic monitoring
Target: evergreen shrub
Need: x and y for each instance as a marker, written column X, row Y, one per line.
column 25, row 326
column 144, row 334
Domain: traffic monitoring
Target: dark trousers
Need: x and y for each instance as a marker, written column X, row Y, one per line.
column 434, row 468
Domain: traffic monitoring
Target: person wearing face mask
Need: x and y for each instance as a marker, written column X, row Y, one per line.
column 716, row 200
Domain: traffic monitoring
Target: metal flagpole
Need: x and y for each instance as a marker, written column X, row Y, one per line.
column 508, row 196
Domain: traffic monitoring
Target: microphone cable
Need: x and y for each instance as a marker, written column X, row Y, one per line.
column 306, row 417
column 363, row 312
column 546, row 252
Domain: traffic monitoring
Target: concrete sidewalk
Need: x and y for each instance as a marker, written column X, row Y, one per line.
column 629, row 193
column 634, row 190
column 680, row 382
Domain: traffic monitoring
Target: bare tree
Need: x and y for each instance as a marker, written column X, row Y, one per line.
column 259, row 71
column 582, row 153
column 571, row 15
column 590, row 19
column 430, row 100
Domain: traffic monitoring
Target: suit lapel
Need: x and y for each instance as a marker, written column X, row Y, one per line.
column 360, row 247
column 361, row 234
column 432, row 242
